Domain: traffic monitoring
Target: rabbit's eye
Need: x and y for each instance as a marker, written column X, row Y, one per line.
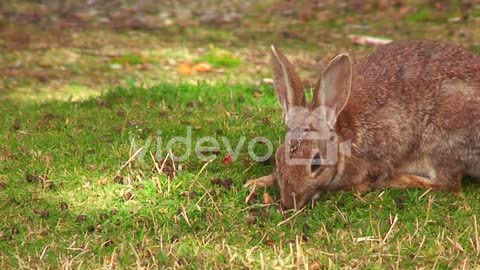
column 316, row 163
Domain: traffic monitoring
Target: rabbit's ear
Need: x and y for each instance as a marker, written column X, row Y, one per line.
column 287, row 83
column 333, row 90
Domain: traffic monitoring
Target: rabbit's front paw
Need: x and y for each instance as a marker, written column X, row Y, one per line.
column 264, row 181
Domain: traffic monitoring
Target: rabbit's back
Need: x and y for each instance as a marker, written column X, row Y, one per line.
column 415, row 98
column 413, row 72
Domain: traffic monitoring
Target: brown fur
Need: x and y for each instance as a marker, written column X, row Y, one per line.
column 412, row 115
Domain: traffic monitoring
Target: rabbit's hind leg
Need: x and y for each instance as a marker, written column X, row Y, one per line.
column 403, row 181
column 425, row 174
column 428, row 172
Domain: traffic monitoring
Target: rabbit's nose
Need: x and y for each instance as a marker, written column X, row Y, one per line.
column 283, row 206
column 286, row 205
column 289, row 203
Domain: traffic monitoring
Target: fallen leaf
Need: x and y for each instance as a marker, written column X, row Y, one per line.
column 227, row 183
column 251, row 219
column 227, row 160
column 16, row 124
column 127, row 196
column 455, row 19
column 87, row 185
column 184, row 68
column 267, row 199
column 202, row 67
column 403, row 11
column 216, row 181
column 44, row 213
column 15, row 230
column 367, row 40
column 268, row 81
column 315, row 265
column 63, row 206
column 118, row 179
column 257, row 93
column 103, row 181
column 5, row 153
column 459, row 247
column 81, row 218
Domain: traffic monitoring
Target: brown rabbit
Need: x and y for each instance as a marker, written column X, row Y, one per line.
column 408, row 115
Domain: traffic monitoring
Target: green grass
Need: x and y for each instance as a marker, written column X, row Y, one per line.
column 72, row 154
column 129, row 59
column 219, row 58
column 475, row 49
column 145, row 219
column 427, row 13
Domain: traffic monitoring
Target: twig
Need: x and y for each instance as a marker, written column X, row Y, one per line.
column 252, row 191
column 419, row 248
column 477, row 243
column 424, row 193
column 259, row 205
column 155, row 163
column 164, row 160
column 365, row 238
column 395, row 219
column 203, row 168
column 112, row 258
column 205, row 189
column 291, row 217
column 249, row 167
column 185, row 216
column 173, row 163
column 136, row 255
column 130, row 159
column 211, row 198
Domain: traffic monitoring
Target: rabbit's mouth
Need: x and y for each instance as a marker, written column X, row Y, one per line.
column 298, row 201
column 316, row 195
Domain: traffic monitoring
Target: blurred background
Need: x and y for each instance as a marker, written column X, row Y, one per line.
column 72, row 49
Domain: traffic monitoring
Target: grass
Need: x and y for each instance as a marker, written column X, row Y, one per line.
column 426, row 14
column 129, row 59
column 72, row 196
column 475, row 48
column 68, row 196
column 219, row 58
